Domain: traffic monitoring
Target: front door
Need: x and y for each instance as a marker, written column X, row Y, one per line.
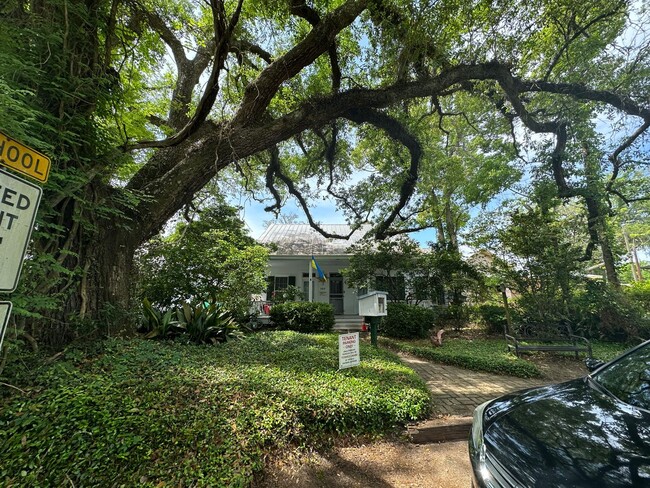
column 336, row 293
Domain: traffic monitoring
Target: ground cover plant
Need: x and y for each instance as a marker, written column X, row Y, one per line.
column 487, row 354
column 607, row 351
column 477, row 354
column 160, row 413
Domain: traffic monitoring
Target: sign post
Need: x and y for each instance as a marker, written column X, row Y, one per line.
column 5, row 311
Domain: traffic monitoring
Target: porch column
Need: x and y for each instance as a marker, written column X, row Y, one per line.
column 310, row 285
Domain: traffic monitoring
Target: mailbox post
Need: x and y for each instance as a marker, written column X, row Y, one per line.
column 373, row 305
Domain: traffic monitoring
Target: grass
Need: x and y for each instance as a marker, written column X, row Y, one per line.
column 162, row 414
column 487, row 354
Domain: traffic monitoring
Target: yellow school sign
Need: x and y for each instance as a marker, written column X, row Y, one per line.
column 23, row 159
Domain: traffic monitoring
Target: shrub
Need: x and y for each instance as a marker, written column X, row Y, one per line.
column 407, row 321
column 303, row 316
column 289, row 294
column 493, row 318
column 453, row 316
column 158, row 323
column 639, row 293
column 605, row 313
column 201, row 323
column 209, row 257
column 209, row 323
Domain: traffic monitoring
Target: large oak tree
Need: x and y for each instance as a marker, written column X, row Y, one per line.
column 141, row 103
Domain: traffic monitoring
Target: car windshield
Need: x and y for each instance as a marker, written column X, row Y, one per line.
column 629, row 378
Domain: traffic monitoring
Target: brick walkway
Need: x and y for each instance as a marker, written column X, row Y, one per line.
column 456, row 391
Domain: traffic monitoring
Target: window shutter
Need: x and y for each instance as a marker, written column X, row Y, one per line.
column 270, row 287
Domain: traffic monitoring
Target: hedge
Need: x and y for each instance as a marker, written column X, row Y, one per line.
column 407, row 321
column 303, row 316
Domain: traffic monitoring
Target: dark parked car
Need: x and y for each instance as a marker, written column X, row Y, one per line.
column 590, row 432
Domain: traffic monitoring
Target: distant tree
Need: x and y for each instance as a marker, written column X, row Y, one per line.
column 208, row 258
column 446, row 277
column 409, row 274
column 537, row 249
column 385, row 265
column 284, row 218
column 632, row 224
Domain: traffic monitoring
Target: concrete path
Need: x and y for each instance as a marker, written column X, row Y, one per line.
column 457, row 391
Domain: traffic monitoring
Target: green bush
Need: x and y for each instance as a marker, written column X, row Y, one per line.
column 492, row 317
column 208, row 323
column 303, row 316
column 159, row 413
column 602, row 312
column 201, row 323
column 453, row 316
column 407, row 321
column 157, row 323
column 639, row 293
column 289, row 294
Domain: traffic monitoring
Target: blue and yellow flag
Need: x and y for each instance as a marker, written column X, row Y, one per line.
column 319, row 272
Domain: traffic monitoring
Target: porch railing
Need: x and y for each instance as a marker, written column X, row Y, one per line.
column 261, row 307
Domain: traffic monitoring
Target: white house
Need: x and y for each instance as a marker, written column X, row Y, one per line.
column 290, row 264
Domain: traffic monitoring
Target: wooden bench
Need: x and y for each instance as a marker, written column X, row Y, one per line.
column 543, row 337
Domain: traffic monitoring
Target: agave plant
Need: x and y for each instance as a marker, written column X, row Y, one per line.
column 208, row 323
column 157, row 323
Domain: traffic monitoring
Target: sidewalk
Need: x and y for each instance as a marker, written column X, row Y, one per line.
column 457, row 391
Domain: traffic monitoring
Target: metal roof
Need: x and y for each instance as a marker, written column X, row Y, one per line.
column 299, row 239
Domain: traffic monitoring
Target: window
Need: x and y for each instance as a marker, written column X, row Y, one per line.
column 421, row 288
column 395, row 286
column 628, row 379
column 276, row 283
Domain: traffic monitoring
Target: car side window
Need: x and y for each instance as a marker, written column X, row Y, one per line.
column 629, row 378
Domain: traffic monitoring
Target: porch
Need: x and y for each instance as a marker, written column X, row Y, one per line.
column 342, row 322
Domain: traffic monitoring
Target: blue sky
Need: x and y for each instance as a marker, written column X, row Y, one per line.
column 324, row 212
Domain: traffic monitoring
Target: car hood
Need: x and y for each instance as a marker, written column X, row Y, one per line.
column 569, row 435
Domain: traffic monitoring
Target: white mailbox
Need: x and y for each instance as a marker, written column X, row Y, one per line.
column 373, row 304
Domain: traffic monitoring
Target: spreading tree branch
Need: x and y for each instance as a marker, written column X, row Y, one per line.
column 259, row 93
column 399, row 133
column 275, row 170
column 614, row 157
column 223, row 32
column 617, row 9
column 216, row 146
